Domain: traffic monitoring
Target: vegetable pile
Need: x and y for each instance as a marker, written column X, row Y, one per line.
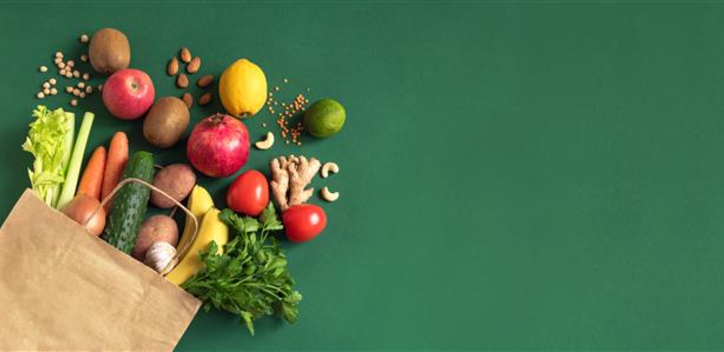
column 232, row 260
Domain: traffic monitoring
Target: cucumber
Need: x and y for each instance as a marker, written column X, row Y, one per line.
column 130, row 203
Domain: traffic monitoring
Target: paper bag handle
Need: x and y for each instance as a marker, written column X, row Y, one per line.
column 188, row 212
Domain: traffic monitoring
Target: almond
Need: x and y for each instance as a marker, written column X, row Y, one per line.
column 205, row 99
column 194, row 65
column 205, row 81
column 188, row 99
column 185, row 55
column 172, row 68
column 182, row 81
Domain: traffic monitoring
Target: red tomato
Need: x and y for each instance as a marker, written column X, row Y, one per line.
column 248, row 194
column 304, row 222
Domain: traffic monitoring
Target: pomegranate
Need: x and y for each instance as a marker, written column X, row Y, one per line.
column 218, row 146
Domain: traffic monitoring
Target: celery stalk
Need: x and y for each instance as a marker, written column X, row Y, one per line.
column 73, row 173
column 69, row 137
column 46, row 141
column 68, row 145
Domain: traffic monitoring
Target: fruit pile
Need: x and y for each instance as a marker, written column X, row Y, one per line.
column 117, row 187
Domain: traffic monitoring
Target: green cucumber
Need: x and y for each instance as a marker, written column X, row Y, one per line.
column 129, row 205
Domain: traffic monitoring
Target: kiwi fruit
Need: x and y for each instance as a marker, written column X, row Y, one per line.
column 109, row 51
column 166, row 122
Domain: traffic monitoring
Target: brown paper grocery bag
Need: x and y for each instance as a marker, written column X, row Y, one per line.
column 63, row 289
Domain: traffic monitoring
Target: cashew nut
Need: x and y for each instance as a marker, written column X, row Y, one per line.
column 266, row 143
column 329, row 196
column 329, row 167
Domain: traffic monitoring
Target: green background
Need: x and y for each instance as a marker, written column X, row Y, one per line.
column 525, row 175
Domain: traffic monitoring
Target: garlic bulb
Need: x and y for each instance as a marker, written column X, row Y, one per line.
column 159, row 255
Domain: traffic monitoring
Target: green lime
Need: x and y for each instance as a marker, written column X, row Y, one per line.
column 324, row 118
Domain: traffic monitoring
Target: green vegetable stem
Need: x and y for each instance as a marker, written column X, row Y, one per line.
column 76, row 159
column 49, row 140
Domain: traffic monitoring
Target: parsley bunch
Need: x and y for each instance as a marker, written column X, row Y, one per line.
column 250, row 278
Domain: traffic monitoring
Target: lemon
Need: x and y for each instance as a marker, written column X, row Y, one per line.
column 242, row 88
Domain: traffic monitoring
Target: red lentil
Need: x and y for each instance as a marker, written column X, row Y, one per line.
column 289, row 131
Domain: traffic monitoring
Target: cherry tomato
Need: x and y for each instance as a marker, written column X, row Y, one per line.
column 248, row 194
column 304, row 222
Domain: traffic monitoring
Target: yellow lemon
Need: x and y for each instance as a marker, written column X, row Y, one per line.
column 242, row 88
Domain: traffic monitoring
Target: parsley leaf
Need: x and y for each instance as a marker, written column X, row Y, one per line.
column 269, row 219
column 251, row 278
column 243, row 225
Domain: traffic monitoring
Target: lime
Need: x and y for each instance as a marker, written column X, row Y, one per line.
column 324, row 118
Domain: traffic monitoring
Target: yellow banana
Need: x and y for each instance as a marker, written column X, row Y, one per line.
column 211, row 229
column 199, row 203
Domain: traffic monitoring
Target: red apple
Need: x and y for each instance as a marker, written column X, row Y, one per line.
column 128, row 94
column 218, row 146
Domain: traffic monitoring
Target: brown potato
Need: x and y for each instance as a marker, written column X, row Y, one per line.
column 177, row 180
column 109, row 51
column 166, row 122
column 154, row 229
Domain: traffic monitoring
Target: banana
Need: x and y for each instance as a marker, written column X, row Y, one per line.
column 199, row 203
column 211, row 229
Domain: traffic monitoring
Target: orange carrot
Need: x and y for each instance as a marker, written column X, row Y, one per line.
column 115, row 163
column 92, row 180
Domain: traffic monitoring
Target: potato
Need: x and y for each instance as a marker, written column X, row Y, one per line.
column 166, row 122
column 177, row 180
column 154, row 229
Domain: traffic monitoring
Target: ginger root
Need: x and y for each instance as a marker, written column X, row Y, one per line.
column 290, row 176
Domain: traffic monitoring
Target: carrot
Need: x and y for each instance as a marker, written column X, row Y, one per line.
column 92, row 180
column 115, row 163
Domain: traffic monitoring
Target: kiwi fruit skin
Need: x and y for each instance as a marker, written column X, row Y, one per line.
column 109, row 51
column 166, row 122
